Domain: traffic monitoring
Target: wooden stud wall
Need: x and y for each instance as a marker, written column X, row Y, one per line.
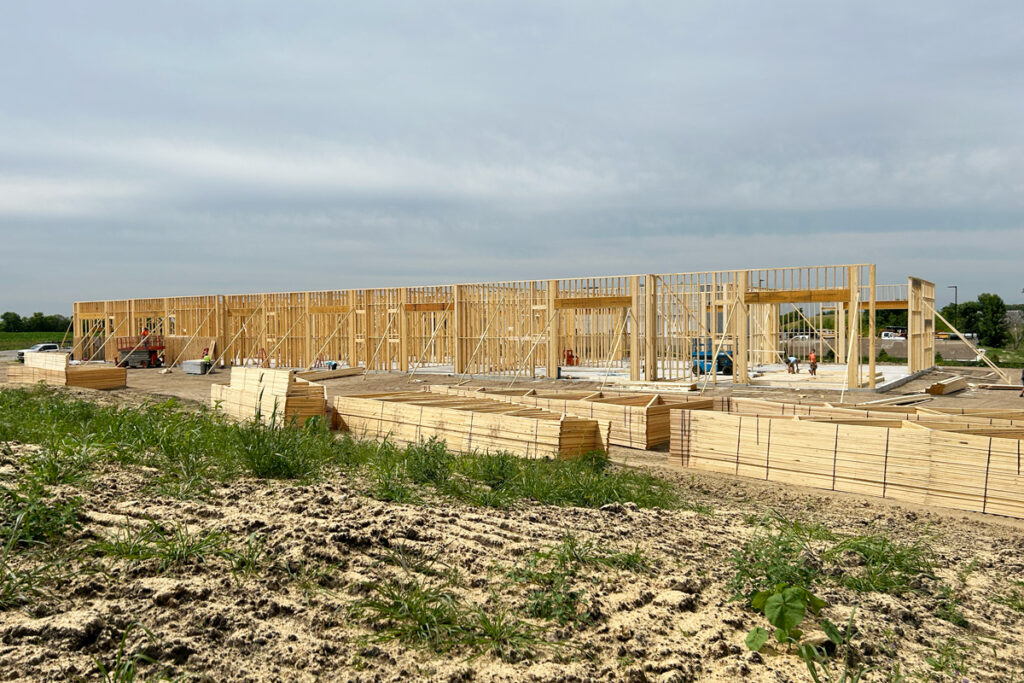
column 650, row 323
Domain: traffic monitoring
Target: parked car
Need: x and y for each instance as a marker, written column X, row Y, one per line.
column 893, row 336
column 45, row 346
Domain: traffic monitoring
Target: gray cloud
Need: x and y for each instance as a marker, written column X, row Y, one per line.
column 151, row 149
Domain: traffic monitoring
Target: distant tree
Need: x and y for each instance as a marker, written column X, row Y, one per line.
column 968, row 318
column 992, row 327
column 885, row 319
column 11, row 322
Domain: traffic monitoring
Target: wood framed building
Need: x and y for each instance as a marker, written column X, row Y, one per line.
column 647, row 325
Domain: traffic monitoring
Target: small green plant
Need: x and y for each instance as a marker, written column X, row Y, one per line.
column 844, row 666
column 37, row 517
column 251, row 557
column 1014, row 599
column 500, row 633
column 123, row 668
column 948, row 608
column 785, row 607
column 949, row 658
column 18, row 586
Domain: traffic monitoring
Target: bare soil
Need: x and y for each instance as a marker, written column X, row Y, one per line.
column 327, row 546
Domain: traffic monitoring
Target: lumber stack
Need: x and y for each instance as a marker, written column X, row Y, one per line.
column 265, row 394
column 57, row 369
column 948, row 386
column 637, row 420
column 470, row 424
column 937, row 459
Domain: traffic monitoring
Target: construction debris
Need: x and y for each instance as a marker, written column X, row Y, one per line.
column 948, row 386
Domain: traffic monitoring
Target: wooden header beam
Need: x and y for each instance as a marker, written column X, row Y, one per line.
column 593, row 302
column 796, row 296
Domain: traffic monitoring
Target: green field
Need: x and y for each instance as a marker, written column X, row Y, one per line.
column 11, row 341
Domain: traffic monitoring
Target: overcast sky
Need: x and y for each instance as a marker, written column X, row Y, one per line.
column 163, row 148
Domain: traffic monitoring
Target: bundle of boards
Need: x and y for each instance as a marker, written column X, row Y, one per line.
column 57, row 369
column 966, row 460
column 637, row 420
column 267, row 395
column 469, row 424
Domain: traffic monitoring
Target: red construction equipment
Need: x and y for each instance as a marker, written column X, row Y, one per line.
column 143, row 351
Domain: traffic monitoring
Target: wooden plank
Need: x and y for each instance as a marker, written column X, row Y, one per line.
column 577, row 302
column 320, row 375
column 796, row 296
column 948, row 386
column 439, row 306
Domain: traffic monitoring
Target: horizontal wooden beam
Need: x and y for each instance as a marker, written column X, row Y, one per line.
column 886, row 305
column 796, row 296
column 314, row 310
column 593, row 302
column 428, row 307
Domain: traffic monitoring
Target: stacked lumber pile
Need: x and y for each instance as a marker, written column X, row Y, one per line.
column 57, row 369
column 948, row 386
column 963, row 462
column 269, row 394
column 469, row 424
column 637, row 420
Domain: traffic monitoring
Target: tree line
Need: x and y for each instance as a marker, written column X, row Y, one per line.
column 37, row 322
column 985, row 317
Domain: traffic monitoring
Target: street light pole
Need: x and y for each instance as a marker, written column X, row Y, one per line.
column 956, row 307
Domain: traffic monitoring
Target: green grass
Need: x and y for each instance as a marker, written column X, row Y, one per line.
column 793, row 553
column 194, row 449
column 15, row 341
column 173, row 547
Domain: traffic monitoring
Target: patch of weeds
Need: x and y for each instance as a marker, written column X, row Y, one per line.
column 62, row 462
column 123, row 667
column 390, row 482
column 783, row 555
column 174, row 547
column 312, row 578
column 412, row 612
column 413, row 561
column 883, row 565
column 19, row 586
column 252, row 557
column 500, row 633
column 428, row 463
column 948, row 608
column 38, row 518
column 573, row 553
column 949, row 658
column 1014, row 599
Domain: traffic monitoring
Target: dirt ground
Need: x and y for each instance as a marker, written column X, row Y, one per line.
column 326, row 546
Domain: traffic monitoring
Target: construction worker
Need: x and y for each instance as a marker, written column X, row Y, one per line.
column 207, row 363
column 812, row 360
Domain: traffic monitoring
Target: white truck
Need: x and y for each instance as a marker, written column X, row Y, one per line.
column 44, row 346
